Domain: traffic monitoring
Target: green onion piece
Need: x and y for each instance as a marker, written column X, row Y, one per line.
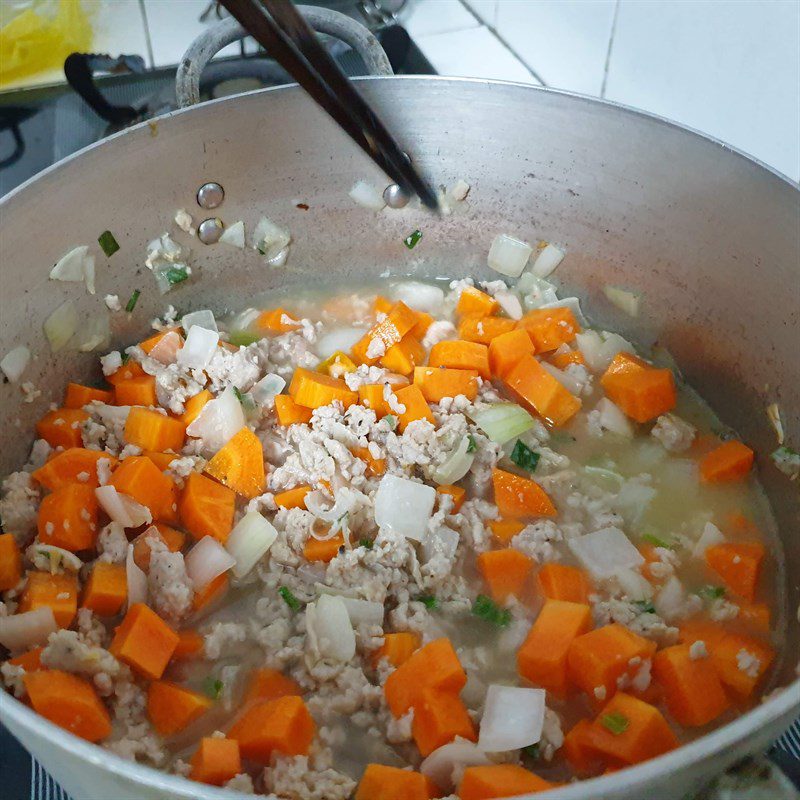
column 524, row 457
column 286, row 593
column 108, row 244
column 615, row 722
column 243, row 338
column 473, row 445
column 532, row 750
column 126, row 357
column 645, row 606
column 711, row 592
column 213, row 687
column 175, row 275
column 428, row 600
column 131, row 304
column 391, row 421
column 485, row 608
column 238, row 394
column 412, row 239
column 656, row 542
column 368, row 543
column 787, row 461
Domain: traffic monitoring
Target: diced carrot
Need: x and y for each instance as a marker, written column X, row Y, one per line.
column 148, row 344
column 337, row 365
column 549, row 328
column 68, row 517
column 392, row 783
column 438, row 718
column 190, row 645
column 370, row 395
column 313, row 390
column 738, row 564
column 269, row 684
column 641, row 391
column 504, row 530
column 542, row 659
column 171, row 708
column 475, row 303
column 106, row 590
column 322, row 549
column 458, row 493
column 389, row 331
column 193, row 406
column 416, row 406
column 435, row 666
column 277, row 320
column 62, row 427
column 404, row 356
column 578, row 752
column 437, row 383
column 161, row 460
column 628, row 730
column 215, row 761
column 288, row 412
column 151, row 430
column 210, row 595
column 136, row 392
column 499, row 780
column 692, row 689
column 755, row 616
column 600, row 658
column 516, row 496
column 563, row 360
column 375, row 466
column 206, row 507
column 382, row 305
column 562, row 582
column 172, row 538
column 59, row 592
column 536, row 388
column 397, row 648
column 731, row 461
column 292, row 498
column 133, row 369
column 139, row 478
column 484, row 329
column 144, row 642
column 240, row 464
column 69, row 702
column 75, row 465
column 505, row 572
column 10, row 562
column 507, row 350
column 283, row 725
column 461, row 354
column 424, row 321
column 31, row 661
column 78, row 395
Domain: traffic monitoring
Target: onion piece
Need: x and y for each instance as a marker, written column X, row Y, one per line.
column 774, row 416
column 329, row 628
column 440, row 542
column 572, row 303
column 207, row 560
column 166, row 348
column 122, row 508
column 219, row 420
column 249, row 541
column 61, row 325
column 632, row 501
column 20, row 632
column 444, row 765
column 605, row 551
column 633, row 584
column 598, row 351
column 137, row 580
column 265, row 389
column 419, row 296
column 710, row 536
column 363, row 612
column 510, row 304
column 535, row 292
column 234, row 235
column 547, row 260
column 88, row 274
column 613, row 419
column 338, row 339
column 199, row 347
column 96, row 333
column 508, row 255
column 203, row 319
column 404, row 506
column 569, row 382
column 501, row 422
column 367, row 196
column 456, row 465
column 270, row 239
column 70, row 266
column 513, row 717
column 624, row 300
column 14, row 362
column 670, row 601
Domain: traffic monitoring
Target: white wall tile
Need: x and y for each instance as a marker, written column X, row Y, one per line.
column 427, row 17
column 730, row 69
column 564, row 41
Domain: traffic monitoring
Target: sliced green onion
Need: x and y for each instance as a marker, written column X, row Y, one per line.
column 501, row 422
column 615, row 722
column 711, row 592
column 524, row 457
column 645, row 606
column 288, row 597
column 126, row 357
column 473, row 445
column 134, row 299
column 213, row 687
column 651, row 538
column 108, row 244
column 391, row 421
column 367, row 543
column 428, row 600
column 485, row 608
column 412, row 239
column 238, row 394
column 175, row 275
column 243, row 338
column 532, row 750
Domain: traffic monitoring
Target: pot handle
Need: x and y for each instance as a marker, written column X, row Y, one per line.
column 322, row 20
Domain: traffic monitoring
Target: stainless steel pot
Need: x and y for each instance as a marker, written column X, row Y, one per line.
column 707, row 235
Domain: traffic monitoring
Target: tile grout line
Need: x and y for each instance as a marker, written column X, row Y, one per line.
column 497, row 35
column 607, row 65
column 146, row 22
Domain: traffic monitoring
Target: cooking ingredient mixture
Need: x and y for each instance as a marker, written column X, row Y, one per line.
column 448, row 541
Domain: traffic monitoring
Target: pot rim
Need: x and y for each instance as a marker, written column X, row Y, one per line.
column 784, row 702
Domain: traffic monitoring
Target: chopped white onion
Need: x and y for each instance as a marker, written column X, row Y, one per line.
column 513, row 718
column 219, row 420
column 338, row 339
column 249, row 541
column 569, row 382
column 20, row 632
column 166, row 348
column 508, row 256
column 632, row 501
column 137, row 580
column 633, row 583
column 501, row 422
column 56, row 557
column 599, row 350
column 367, row 196
column 404, row 506
column 95, row 333
column 121, row 508
column 70, row 266
column 419, row 296
column 14, row 362
column 234, row 235
column 199, row 347
column 207, row 560
column 363, row 612
column 572, row 303
column 710, row 536
column 265, row 389
column 624, row 300
column 670, row 601
column 444, row 765
column 536, row 292
column 280, row 258
column 456, row 465
column 440, row 542
column 203, row 319
column 510, row 304
column 88, row 273
column 345, row 500
column 613, row 419
column 60, row 325
column 329, row 628
column 547, row 260
column 605, row 551
column 774, row 416
column 270, row 239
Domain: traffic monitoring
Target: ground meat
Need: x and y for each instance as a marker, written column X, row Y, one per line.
column 293, row 778
column 552, row 735
column 169, row 588
column 537, row 541
column 627, row 613
column 19, row 502
column 69, row 651
column 112, row 543
column 674, row 433
column 224, row 637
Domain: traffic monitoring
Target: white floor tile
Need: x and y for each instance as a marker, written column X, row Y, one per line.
column 730, row 69
column 564, row 41
column 428, row 17
column 473, row 53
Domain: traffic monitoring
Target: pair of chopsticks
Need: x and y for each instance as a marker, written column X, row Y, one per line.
column 281, row 30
